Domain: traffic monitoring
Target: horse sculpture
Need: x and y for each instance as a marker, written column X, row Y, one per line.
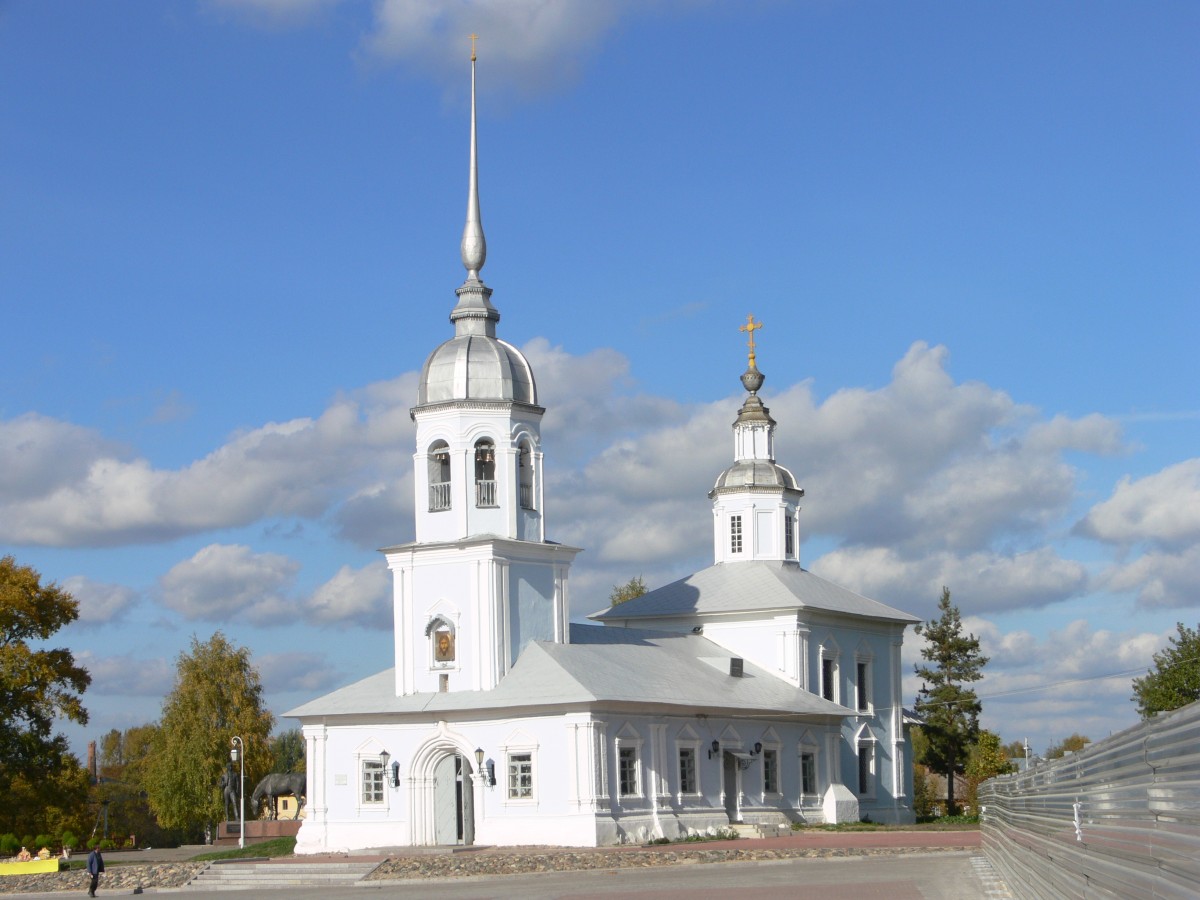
column 278, row 785
column 228, row 784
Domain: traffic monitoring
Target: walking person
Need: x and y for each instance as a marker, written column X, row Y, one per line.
column 95, row 866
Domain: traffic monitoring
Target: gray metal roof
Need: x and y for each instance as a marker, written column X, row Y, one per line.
column 476, row 367
column 750, row 473
column 600, row 665
column 747, row 587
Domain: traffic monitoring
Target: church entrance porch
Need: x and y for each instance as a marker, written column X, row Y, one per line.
column 453, row 809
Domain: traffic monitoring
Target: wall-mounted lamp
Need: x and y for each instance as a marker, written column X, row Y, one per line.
column 489, row 773
column 757, row 747
column 390, row 772
column 714, row 749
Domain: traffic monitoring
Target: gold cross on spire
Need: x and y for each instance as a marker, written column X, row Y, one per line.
column 473, row 37
column 750, row 327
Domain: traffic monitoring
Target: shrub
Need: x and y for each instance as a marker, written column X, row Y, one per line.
column 42, row 840
column 69, row 840
column 9, row 844
column 106, row 844
column 27, row 843
column 93, row 842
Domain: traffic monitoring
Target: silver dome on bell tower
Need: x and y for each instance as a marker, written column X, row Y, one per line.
column 475, row 364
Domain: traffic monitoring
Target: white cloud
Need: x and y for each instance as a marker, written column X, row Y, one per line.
column 99, row 603
column 285, row 672
column 38, row 455
column 128, row 675
column 982, row 581
column 223, row 582
column 1160, row 580
column 82, row 494
column 353, row 596
column 1163, row 509
column 528, row 44
column 1072, row 679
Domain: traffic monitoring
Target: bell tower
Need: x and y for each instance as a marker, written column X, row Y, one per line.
column 756, row 501
column 480, row 581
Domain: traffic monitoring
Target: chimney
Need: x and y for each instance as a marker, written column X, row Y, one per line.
column 735, row 666
column 91, row 762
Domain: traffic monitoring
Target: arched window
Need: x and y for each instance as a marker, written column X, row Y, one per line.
column 439, row 476
column 485, row 472
column 525, row 475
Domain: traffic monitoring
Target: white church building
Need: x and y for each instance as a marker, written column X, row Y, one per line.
column 750, row 692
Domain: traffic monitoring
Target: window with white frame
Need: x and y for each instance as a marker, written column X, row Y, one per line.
column 770, row 762
column 373, row 779
column 866, row 767
column 862, row 685
column 808, row 772
column 828, row 677
column 628, row 774
column 735, row 534
column 789, row 536
column 520, row 776
column 687, row 770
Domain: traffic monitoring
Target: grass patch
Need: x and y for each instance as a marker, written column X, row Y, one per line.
column 284, row 846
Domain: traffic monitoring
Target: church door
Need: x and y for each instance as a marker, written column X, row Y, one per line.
column 453, row 819
column 729, row 784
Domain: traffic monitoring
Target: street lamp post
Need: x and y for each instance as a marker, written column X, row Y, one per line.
column 238, row 755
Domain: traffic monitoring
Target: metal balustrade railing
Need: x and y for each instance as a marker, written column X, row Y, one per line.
column 1120, row 818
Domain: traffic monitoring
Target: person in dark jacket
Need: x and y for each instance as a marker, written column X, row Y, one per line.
column 95, row 866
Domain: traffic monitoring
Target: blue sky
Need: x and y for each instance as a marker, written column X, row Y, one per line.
column 229, row 238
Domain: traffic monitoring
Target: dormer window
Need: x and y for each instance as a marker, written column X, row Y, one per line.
column 485, row 473
column 439, row 476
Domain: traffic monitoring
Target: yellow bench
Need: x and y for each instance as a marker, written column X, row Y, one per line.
column 32, row 867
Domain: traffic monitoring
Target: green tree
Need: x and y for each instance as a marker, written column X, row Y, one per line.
column 287, row 751
column 634, row 587
column 37, row 687
column 1072, row 744
column 1175, row 679
column 1014, row 749
column 950, row 708
column 217, row 694
column 986, row 759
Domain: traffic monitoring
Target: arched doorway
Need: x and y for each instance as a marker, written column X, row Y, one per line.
column 453, row 809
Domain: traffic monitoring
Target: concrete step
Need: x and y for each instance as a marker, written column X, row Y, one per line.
column 265, row 875
column 748, row 830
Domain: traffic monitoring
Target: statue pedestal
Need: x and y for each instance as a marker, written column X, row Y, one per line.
column 257, row 830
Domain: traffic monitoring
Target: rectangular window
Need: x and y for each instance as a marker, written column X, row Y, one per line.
column 372, row 781
column 861, row 691
column 770, row 771
column 735, row 534
column 687, row 770
column 520, row 776
column 789, row 537
column 808, row 773
column 827, row 678
column 627, row 771
column 866, row 767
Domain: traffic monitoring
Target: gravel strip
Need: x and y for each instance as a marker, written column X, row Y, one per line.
column 463, row 864
column 123, row 878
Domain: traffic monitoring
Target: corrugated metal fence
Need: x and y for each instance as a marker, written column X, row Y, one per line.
column 1121, row 818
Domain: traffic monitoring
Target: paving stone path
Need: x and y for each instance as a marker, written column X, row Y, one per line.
column 522, row 860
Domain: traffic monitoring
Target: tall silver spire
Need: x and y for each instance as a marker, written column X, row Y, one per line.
column 474, row 247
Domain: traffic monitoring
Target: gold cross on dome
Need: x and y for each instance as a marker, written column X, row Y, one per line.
column 750, row 327
column 473, row 37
